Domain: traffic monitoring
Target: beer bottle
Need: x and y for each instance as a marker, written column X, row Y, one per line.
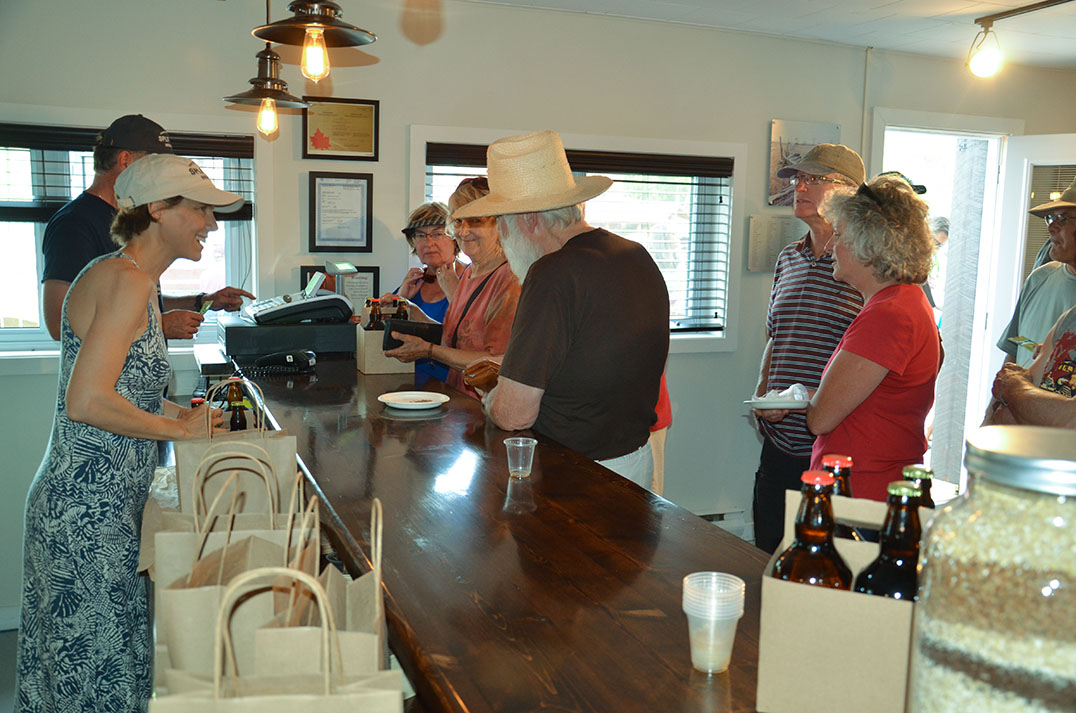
column 238, row 420
column 893, row 574
column 376, row 319
column 923, row 477
column 401, row 308
column 812, row 558
column 841, row 469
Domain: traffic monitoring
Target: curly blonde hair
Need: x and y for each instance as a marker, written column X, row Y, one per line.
column 884, row 225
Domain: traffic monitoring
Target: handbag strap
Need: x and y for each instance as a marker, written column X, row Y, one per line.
column 470, row 301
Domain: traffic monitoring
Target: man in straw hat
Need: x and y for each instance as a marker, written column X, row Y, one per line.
column 591, row 333
column 79, row 231
column 1049, row 290
column 808, row 314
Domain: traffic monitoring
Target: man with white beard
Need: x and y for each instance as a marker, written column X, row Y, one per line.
column 591, row 334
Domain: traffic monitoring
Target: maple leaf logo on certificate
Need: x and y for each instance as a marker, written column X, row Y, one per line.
column 320, row 141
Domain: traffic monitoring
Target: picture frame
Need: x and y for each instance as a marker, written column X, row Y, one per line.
column 341, row 212
column 365, row 283
column 341, row 129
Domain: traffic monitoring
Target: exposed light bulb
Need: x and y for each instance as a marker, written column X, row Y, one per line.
column 267, row 118
column 315, row 64
column 986, row 62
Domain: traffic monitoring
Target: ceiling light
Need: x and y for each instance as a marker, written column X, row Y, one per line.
column 315, row 25
column 269, row 92
column 984, row 57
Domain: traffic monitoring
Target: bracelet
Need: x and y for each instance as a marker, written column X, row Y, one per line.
column 429, row 352
column 198, row 300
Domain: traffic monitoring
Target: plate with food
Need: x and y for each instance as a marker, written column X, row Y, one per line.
column 412, row 400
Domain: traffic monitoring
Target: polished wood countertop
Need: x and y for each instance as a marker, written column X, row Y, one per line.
column 558, row 592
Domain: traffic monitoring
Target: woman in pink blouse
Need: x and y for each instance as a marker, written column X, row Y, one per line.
column 479, row 319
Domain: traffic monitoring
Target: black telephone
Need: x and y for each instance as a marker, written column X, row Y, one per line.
column 301, row 361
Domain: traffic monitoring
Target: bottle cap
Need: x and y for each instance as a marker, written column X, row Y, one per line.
column 197, row 401
column 917, row 472
column 817, row 477
column 833, row 460
column 904, row 489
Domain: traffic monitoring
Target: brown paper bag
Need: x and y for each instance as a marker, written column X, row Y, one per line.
column 328, row 690
column 277, row 448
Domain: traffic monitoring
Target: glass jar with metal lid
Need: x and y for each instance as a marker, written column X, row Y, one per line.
column 995, row 626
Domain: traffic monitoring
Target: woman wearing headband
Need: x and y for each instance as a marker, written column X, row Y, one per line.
column 479, row 319
column 431, row 286
column 879, row 384
column 84, row 638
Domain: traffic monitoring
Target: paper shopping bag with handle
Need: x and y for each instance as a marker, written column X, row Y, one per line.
column 187, row 605
column 277, row 448
column 332, row 688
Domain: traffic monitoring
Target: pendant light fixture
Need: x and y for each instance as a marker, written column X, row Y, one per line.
column 984, row 56
column 316, row 26
column 269, row 90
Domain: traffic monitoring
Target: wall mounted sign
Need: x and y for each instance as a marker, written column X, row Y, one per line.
column 343, row 129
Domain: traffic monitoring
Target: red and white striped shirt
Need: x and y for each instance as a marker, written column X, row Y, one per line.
column 809, row 313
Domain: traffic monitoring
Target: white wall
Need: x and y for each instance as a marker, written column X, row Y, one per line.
column 84, row 63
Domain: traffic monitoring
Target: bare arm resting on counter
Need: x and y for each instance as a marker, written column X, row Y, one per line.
column 513, row 406
column 1024, row 402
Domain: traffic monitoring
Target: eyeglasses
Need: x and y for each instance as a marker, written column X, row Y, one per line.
column 471, row 223
column 420, row 235
column 808, row 179
column 1059, row 218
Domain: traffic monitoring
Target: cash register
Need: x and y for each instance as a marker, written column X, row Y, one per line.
column 304, row 306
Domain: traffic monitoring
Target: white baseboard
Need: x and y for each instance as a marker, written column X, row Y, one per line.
column 9, row 618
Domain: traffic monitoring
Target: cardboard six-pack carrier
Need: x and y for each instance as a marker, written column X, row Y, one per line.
column 833, row 651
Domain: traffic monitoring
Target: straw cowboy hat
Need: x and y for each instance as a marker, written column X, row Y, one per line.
column 528, row 174
column 1066, row 200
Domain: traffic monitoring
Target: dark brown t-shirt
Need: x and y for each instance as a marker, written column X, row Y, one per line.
column 592, row 330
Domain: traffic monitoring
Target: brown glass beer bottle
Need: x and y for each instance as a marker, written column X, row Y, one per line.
column 238, row 420
column 841, row 468
column 922, row 476
column 812, row 558
column 894, row 573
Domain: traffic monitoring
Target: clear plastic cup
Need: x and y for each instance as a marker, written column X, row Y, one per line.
column 520, row 456
column 713, row 603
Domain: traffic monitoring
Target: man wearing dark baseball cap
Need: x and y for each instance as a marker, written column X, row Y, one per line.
column 79, row 232
column 809, row 312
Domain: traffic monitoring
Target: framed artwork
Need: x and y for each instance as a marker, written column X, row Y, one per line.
column 365, row 283
column 341, row 212
column 789, row 141
column 343, row 129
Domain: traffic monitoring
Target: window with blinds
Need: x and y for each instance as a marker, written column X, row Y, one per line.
column 678, row 207
column 43, row 167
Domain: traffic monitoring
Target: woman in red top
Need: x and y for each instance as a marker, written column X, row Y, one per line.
column 878, row 386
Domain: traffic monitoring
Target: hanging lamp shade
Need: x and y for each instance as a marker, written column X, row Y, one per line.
column 268, row 84
column 314, row 14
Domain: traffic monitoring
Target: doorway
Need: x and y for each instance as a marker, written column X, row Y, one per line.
column 960, row 172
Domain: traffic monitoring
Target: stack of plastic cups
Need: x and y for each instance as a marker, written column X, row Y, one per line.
column 713, row 603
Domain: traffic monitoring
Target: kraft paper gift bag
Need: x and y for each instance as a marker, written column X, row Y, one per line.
column 329, row 689
column 277, row 448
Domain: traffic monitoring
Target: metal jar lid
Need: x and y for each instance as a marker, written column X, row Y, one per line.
column 1025, row 457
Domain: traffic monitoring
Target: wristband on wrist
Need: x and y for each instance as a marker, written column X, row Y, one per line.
column 198, row 300
column 429, row 352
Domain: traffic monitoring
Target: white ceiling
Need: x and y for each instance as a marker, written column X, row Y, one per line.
column 945, row 28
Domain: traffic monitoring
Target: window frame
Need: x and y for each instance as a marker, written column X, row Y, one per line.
column 42, row 134
column 681, row 342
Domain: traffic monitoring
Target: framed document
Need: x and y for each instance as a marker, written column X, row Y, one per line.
column 365, row 283
column 341, row 212
column 344, row 129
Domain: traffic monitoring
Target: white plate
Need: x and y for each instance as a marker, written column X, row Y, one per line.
column 412, row 399
column 767, row 404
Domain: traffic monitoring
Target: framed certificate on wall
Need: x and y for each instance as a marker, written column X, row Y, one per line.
column 341, row 212
column 343, row 129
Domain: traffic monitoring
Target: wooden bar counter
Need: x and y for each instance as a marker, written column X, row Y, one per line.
column 559, row 592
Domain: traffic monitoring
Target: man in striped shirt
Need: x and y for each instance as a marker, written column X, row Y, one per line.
column 809, row 312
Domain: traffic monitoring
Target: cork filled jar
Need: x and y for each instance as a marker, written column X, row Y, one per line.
column 995, row 626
